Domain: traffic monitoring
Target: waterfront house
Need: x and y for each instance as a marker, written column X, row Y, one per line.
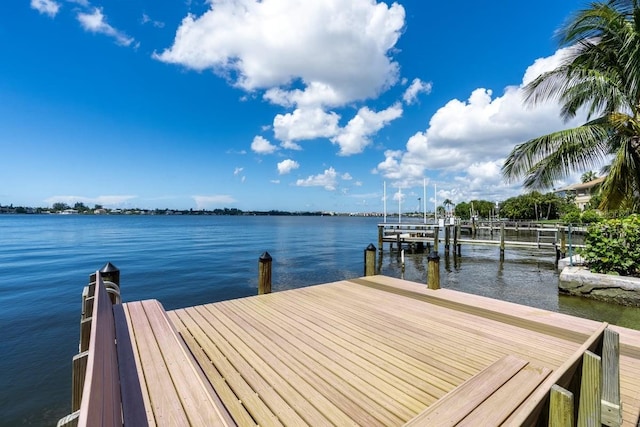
column 582, row 191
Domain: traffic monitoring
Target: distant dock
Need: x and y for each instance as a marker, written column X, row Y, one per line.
column 371, row 351
column 448, row 237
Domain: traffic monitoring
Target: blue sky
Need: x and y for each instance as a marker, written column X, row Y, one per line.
column 273, row 104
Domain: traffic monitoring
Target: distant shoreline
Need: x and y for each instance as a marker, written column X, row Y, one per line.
column 218, row 212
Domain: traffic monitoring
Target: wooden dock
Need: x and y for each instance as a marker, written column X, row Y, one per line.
column 420, row 236
column 372, row 351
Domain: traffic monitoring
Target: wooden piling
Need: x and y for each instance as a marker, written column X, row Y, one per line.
column 436, row 233
column 447, row 237
column 370, row 260
column 264, row 273
column 433, row 271
column 380, row 236
column 502, row 240
column 456, row 230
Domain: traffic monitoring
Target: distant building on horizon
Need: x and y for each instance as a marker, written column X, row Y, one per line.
column 582, row 191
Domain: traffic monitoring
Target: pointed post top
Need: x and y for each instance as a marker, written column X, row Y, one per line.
column 265, row 257
column 109, row 268
column 110, row 273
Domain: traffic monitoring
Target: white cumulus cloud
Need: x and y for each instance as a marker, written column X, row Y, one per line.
column 328, row 179
column 261, row 146
column 303, row 124
column 467, row 141
column 286, row 166
column 355, row 136
column 310, row 57
column 271, row 44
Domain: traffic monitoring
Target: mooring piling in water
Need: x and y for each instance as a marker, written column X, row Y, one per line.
column 502, row 241
column 264, row 273
column 447, row 237
column 433, row 270
column 456, row 240
column 370, row 260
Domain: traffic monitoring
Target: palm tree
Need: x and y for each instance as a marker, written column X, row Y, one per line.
column 601, row 73
column 447, row 203
column 588, row 176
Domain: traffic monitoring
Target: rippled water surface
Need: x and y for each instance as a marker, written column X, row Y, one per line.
column 45, row 261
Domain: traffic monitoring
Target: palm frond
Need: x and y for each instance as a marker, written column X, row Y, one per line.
column 622, row 185
column 545, row 159
column 599, row 74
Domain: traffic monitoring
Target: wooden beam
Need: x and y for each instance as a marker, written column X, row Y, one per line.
column 611, row 405
column 590, row 391
column 561, row 407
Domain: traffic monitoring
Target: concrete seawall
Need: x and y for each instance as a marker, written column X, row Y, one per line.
column 617, row 289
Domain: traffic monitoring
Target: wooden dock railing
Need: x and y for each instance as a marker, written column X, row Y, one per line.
column 599, row 390
column 93, row 392
column 115, row 384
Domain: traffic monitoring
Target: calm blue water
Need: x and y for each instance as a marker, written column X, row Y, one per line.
column 45, row 261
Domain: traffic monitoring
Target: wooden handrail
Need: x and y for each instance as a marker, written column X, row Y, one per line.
column 101, row 403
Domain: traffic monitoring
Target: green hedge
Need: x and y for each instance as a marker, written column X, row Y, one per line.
column 613, row 246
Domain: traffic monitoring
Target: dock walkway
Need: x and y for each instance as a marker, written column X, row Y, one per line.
column 372, row 351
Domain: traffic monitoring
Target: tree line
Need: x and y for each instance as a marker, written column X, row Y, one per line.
column 531, row 206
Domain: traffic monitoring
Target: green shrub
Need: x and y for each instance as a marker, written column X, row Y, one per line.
column 572, row 217
column 613, row 246
column 590, row 216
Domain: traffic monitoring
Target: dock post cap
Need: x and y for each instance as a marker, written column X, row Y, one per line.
column 370, row 247
column 433, row 256
column 265, row 257
column 109, row 268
